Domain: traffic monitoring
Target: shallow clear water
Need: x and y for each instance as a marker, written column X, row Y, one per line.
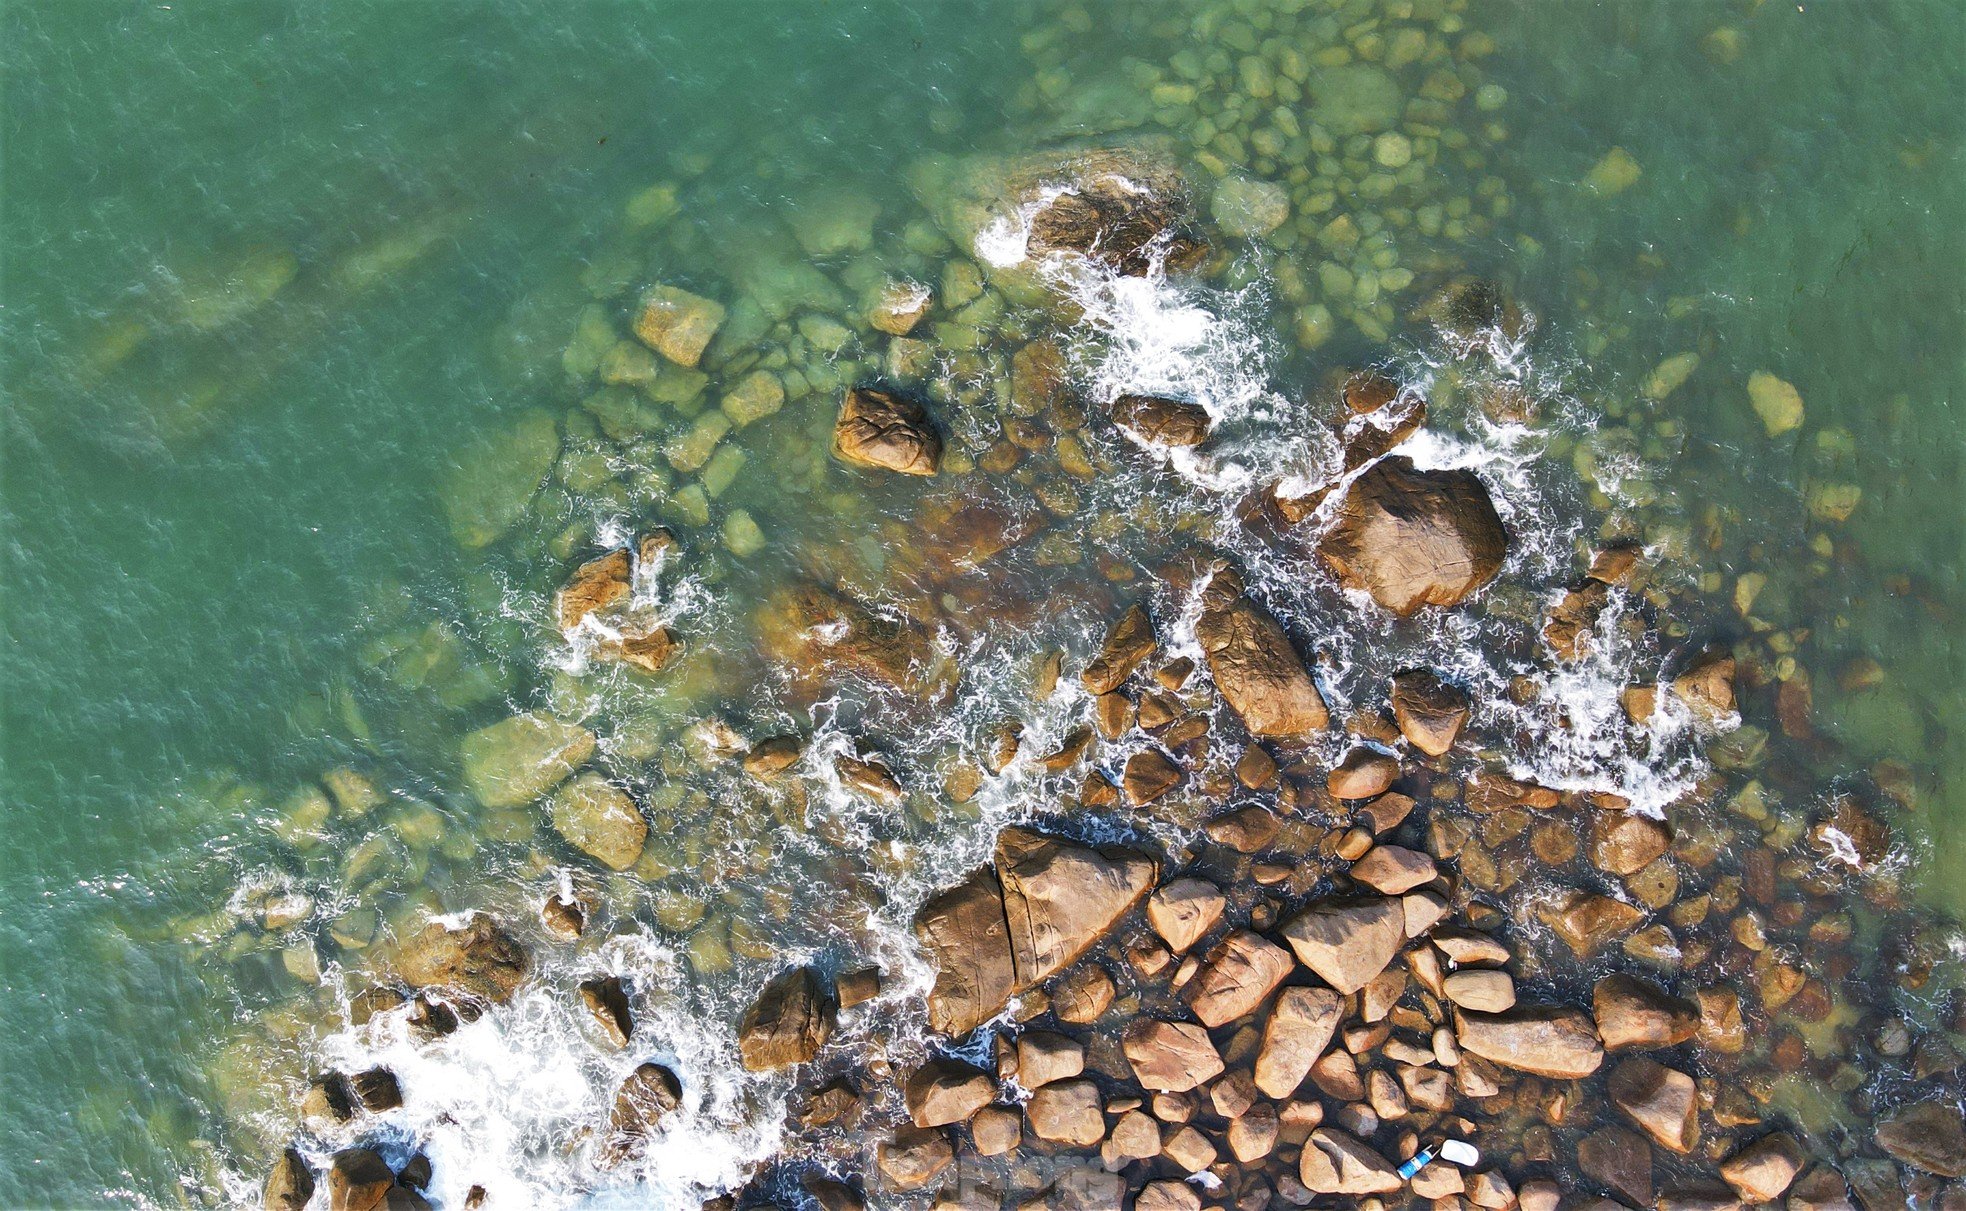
column 270, row 273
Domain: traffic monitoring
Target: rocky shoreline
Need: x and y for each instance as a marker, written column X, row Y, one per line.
column 1245, row 945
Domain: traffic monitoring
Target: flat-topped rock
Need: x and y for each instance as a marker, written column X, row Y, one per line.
column 1235, row 977
column 1553, row 1042
column 883, row 431
column 1411, row 538
column 1347, row 943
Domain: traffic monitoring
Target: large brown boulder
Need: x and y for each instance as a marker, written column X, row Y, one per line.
column 1412, row 538
column 967, row 941
column 649, row 1094
column 478, row 960
column 358, row 1180
column 1760, row 1172
column 884, row 432
column 290, row 1183
column 1429, row 712
column 1121, row 222
column 1006, row 929
column 1184, row 910
column 1554, row 1042
column 1619, row 1159
column 1127, row 646
column 1337, row 1162
column 1299, row 1029
column 1238, row 973
column 1662, row 1101
column 1347, row 943
column 596, row 585
column 1255, row 665
column 944, row 1091
column 790, row 1021
column 1171, row 1057
column 915, row 1156
column 1929, row 1136
column 1060, row 898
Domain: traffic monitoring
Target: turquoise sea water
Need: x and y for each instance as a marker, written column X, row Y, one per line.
column 269, row 269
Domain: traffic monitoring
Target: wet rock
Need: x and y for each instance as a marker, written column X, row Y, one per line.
column 1184, row 910
column 899, row 307
column 1162, row 422
column 514, row 761
column 1662, row 1101
column 996, row 1130
column 1300, row 1028
column 1068, row 1112
column 478, row 960
column 1820, row 1189
column 678, row 324
column 965, row 937
column 1635, row 1013
column 607, row 1002
column 1706, row 686
column 915, row 1156
column 1128, row 645
column 834, row 1102
column 599, row 819
column 1586, row 921
column 773, row 756
column 1082, row 996
column 1411, row 538
column 1238, row 973
column 1254, row 664
column 788, row 1024
column 1124, row 223
column 1347, row 943
column 493, row 479
column 1167, row 1194
column 857, row 987
column 648, row 1095
column 945, row 1091
column 1429, row 712
column 1760, row 1172
column 358, row 1180
column 1619, row 1159
column 1149, row 774
column 1554, row 1042
column 882, row 431
column 1363, row 773
column 1060, row 898
column 1337, row 1162
column 820, row 635
column 870, row 778
column 1624, row 843
column 1247, row 207
column 563, row 917
column 1245, row 830
column 377, row 1090
column 1169, row 1056
column 599, row 584
column 328, row 1102
column 1928, row 1135
column 830, row 1195
column 1777, row 403
column 1573, row 621
column 289, row 1185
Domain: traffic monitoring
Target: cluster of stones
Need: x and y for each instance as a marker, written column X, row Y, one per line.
column 1331, row 133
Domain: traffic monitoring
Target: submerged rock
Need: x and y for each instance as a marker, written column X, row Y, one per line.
column 1928, row 1135
column 821, row 635
column 514, row 761
column 599, row 819
column 1255, row 665
column 678, row 324
column 882, row 431
column 494, row 478
column 478, row 960
column 358, row 1180
column 1412, row 538
column 788, row 1024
